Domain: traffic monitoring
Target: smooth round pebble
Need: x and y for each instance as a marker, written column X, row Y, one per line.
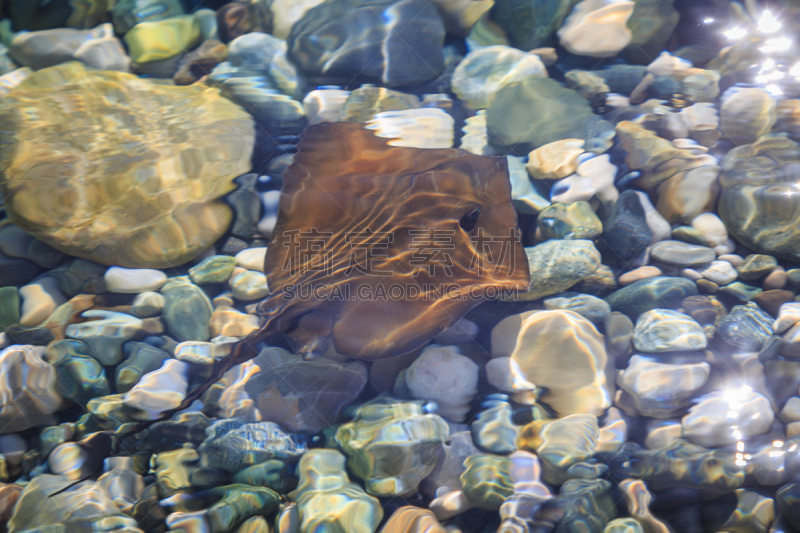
column 776, row 279
column 252, row 259
column 148, row 304
column 639, row 273
column 664, row 330
column 720, row 272
column 679, row 253
column 247, row 285
column 133, row 280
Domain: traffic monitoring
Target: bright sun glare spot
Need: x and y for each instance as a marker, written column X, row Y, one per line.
column 768, row 23
column 708, row 20
column 735, row 33
column 776, row 44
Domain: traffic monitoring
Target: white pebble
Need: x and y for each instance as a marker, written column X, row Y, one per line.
column 712, row 228
column 788, row 316
column 720, row 272
column 252, row 259
column 159, row 390
column 443, row 375
column 147, row 304
column 133, row 280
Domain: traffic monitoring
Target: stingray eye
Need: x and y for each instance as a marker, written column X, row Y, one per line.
column 467, row 222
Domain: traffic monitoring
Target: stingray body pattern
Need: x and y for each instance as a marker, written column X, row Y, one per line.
column 378, row 248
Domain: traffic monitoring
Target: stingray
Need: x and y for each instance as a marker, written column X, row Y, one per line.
column 378, row 248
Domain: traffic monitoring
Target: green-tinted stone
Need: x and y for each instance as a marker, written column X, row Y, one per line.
column 275, row 474
column 623, row 525
column 79, row 376
column 486, row 481
column 793, row 280
column 739, row 292
column 558, row 113
column 755, row 266
column 105, row 336
column 569, row 221
column 328, row 501
column 557, row 265
column 9, row 307
column 586, row 305
column 651, row 293
column 214, row 269
column 140, row 358
column 651, row 25
column 690, row 235
column 187, row 310
column 493, row 429
column 530, row 24
column 238, row 503
column 392, row 445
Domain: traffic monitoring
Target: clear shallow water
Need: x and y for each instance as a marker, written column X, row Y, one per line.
column 399, row 266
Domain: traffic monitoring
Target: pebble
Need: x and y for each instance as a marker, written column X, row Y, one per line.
column 756, row 265
column 788, row 316
column 664, row 330
column 252, row 259
column 735, row 260
column 574, row 382
column 559, row 265
column 133, row 280
column 682, row 254
column 746, row 327
column 104, row 337
column 775, row 280
column 248, row 285
column 637, row 274
column 230, row 322
column 712, row 228
column 441, row 374
column 651, row 293
column 725, row 417
column 771, row 301
column 740, row 293
column 187, row 310
column 662, row 390
column 39, row 300
column 626, row 233
column 159, row 390
column 148, row 304
column 720, row 272
column 214, row 269
column 575, row 220
column 586, row 305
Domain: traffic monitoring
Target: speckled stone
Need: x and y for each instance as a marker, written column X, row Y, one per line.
column 664, row 330
column 247, row 285
column 586, row 305
column 746, row 327
column 679, row 253
column 559, row 265
column 214, row 269
column 755, row 266
column 651, row 293
column 569, row 221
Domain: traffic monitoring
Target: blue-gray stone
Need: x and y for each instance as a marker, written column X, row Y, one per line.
column 651, row 293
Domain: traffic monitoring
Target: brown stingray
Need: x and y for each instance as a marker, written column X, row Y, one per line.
column 378, row 248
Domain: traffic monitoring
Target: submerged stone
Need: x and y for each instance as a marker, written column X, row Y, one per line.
column 391, row 445
column 233, row 445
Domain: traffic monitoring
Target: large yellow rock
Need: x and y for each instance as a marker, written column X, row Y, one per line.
column 559, row 351
column 113, row 168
